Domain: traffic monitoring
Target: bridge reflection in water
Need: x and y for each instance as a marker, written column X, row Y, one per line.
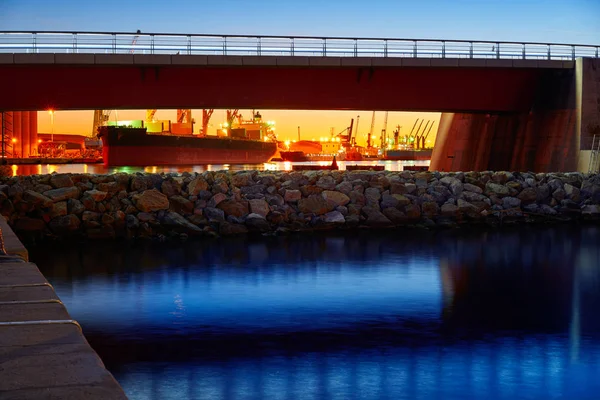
column 502, row 315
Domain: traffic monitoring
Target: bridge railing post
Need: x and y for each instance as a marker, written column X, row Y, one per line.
column 415, row 49
column 443, row 49
column 114, row 43
column 355, row 47
column 258, row 48
column 34, row 42
column 324, row 47
column 151, row 44
column 470, row 49
column 572, row 52
column 224, row 45
column 498, row 51
column 292, row 45
column 74, row 43
column 597, row 48
column 549, row 52
column 385, row 48
column 524, row 53
column 189, row 44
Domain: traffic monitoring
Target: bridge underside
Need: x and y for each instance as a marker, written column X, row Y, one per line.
column 360, row 88
column 509, row 118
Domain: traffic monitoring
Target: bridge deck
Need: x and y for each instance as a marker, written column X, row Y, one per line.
column 274, row 61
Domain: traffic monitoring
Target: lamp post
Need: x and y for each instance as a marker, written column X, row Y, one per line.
column 51, row 112
column 14, row 143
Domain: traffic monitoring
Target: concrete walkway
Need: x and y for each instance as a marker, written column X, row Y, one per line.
column 43, row 353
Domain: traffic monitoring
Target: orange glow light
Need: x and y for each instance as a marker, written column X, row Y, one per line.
column 14, row 140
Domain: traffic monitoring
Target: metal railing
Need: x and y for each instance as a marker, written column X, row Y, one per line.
column 167, row 43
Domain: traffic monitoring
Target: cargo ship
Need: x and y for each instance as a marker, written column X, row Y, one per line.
column 135, row 146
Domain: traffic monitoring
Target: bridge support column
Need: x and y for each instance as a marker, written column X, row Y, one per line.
column 544, row 140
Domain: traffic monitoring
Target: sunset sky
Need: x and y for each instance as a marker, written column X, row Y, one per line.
column 558, row 21
column 313, row 124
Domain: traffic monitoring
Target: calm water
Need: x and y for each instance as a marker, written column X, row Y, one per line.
column 509, row 314
column 272, row 166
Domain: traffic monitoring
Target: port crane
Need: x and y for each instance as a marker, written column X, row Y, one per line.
column 384, row 143
column 371, row 130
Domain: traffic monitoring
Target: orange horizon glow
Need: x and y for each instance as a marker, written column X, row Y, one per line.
column 313, row 124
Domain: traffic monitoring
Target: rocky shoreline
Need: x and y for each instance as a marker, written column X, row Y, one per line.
column 227, row 203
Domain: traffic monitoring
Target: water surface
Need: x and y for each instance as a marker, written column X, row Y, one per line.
column 508, row 314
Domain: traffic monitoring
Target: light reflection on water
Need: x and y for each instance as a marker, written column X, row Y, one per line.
column 504, row 314
column 273, row 166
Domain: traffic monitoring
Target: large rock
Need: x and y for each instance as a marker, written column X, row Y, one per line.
column 58, row 209
column 337, row 198
column 430, row 209
column 528, row 195
column 455, row 186
column 497, row 189
column 510, row 202
column 62, row 193
column 227, row 229
column 178, row 223
column 292, row 196
column 181, row 205
column 61, row 181
column 372, row 195
column 213, row 214
column 256, row 222
column 375, row 218
column 449, row 210
column 216, row 199
column 412, row 211
column 36, row 199
column 259, row 206
column 97, row 195
column 234, row 208
column 394, row 215
column 344, row 187
column 75, row 206
column 314, row 205
column 65, row 224
column 326, row 182
column 572, row 192
column 170, row 188
column 151, row 200
column 334, row 217
column 241, row 179
column 196, row 185
column 472, row 188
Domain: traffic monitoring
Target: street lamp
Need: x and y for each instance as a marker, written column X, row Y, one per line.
column 51, row 112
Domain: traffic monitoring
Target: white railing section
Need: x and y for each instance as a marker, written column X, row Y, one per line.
column 164, row 43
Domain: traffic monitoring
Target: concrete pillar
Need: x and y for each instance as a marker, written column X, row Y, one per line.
column 15, row 147
column 25, row 136
column 33, row 131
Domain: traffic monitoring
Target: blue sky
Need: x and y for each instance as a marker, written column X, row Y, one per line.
column 564, row 21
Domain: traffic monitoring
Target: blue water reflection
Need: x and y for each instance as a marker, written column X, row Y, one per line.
column 508, row 314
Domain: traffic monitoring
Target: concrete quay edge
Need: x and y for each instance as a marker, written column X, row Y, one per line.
column 43, row 352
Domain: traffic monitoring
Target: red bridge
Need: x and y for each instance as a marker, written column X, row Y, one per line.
column 513, row 106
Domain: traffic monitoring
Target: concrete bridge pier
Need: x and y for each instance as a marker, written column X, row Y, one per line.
column 553, row 136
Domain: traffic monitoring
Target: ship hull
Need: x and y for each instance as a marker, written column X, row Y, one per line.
column 134, row 147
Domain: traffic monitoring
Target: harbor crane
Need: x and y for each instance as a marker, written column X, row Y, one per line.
column 383, row 139
column 371, row 130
